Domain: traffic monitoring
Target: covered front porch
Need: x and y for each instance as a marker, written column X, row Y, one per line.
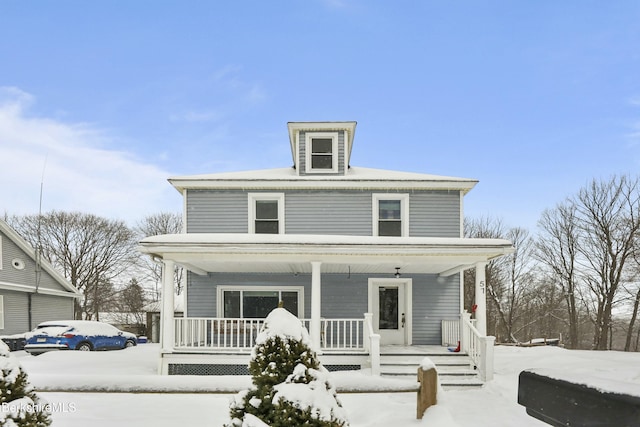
column 394, row 270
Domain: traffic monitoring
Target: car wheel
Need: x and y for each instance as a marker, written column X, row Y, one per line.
column 129, row 343
column 84, row 346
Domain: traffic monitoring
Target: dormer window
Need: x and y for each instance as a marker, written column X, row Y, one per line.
column 322, row 152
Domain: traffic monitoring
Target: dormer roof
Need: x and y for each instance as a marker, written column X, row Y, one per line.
column 296, row 127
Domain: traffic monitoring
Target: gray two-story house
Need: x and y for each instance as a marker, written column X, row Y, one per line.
column 30, row 292
column 366, row 257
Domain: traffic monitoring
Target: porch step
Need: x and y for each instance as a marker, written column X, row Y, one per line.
column 455, row 370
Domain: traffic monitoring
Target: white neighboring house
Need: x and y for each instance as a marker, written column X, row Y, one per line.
column 366, row 257
column 24, row 303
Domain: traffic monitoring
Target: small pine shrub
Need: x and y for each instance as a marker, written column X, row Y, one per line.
column 21, row 406
column 290, row 386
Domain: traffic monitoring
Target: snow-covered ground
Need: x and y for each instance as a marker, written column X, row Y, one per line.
column 203, row 401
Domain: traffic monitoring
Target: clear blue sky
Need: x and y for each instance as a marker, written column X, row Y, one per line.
column 110, row 98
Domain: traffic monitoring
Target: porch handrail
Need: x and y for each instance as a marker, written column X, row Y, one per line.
column 478, row 347
column 216, row 333
column 372, row 344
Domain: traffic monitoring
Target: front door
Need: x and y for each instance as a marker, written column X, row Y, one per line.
column 389, row 301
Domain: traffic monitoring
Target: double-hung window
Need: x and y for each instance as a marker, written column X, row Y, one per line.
column 322, row 152
column 390, row 214
column 266, row 213
column 257, row 302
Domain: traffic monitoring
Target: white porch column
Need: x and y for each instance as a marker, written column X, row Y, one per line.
column 166, row 315
column 315, row 304
column 481, row 298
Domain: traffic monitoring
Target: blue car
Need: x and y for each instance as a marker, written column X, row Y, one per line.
column 83, row 335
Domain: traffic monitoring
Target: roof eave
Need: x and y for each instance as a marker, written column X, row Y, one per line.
column 336, row 184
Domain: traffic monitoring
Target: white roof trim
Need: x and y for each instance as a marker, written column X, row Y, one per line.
column 356, row 178
column 41, row 290
column 30, row 251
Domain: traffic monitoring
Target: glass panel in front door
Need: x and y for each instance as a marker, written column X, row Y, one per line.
column 388, row 309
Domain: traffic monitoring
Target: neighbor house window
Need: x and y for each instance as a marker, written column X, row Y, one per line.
column 1, row 311
column 322, row 152
column 257, row 302
column 266, row 213
column 390, row 214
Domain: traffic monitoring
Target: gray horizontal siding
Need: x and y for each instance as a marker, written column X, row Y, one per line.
column 217, row 211
column 43, row 308
column 16, row 312
column 433, row 302
column 26, row 276
column 50, row 307
column 431, row 213
column 344, row 213
column 434, row 214
column 343, row 296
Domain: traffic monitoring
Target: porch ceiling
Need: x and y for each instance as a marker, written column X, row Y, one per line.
column 202, row 253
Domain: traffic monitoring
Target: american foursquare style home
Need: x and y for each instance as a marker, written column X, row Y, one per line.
column 368, row 259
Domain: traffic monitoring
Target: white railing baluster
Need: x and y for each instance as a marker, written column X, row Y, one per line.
column 479, row 348
column 233, row 333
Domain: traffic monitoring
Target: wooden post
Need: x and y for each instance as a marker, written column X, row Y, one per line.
column 427, row 393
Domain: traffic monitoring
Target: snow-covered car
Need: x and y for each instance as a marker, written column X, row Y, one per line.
column 83, row 335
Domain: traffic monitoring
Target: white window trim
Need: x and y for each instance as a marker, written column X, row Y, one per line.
column 221, row 289
column 253, row 197
column 334, row 151
column 0, row 252
column 404, row 210
column 1, row 311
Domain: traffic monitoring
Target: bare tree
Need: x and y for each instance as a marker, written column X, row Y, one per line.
column 89, row 250
column 153, row 225
column 557, row 249
column 520, row 286
column 609, row 219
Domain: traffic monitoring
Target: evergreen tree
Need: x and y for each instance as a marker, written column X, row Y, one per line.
column 21, row 407
column 290, row 386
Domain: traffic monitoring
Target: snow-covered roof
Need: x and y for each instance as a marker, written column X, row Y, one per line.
column 155, row 306
column 355, row 178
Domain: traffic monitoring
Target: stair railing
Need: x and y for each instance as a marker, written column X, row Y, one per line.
column 372, row 344
column 478, row 347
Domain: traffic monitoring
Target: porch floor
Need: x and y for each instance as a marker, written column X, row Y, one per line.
column 425, row 350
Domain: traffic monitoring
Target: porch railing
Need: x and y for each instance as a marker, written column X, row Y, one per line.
column 478, row 347
column 216, row 333
column 451, row 332
column 240, row 334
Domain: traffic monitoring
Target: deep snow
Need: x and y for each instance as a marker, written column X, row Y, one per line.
column 494, row 405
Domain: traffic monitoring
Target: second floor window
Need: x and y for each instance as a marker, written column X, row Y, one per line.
column 266, row 213
column 390, row 215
